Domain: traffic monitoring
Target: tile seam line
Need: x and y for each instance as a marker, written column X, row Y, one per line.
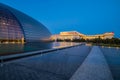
column 106, row 62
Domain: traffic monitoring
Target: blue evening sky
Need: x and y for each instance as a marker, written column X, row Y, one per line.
column 85, row 16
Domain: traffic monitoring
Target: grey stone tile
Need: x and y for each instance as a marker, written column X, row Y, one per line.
column 94, row 67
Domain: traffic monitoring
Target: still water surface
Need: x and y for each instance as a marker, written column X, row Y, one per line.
column 8, row 49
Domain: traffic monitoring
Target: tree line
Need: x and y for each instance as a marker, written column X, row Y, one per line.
column 96, row 40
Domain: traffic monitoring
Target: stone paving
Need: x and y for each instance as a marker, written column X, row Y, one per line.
column 57, row 65
column 112, row 56
column 76, row 63
column 94, row 67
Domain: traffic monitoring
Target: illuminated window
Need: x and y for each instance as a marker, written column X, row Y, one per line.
column 10, row 28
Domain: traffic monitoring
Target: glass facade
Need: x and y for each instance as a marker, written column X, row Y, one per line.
column 15, row 25
column 9, row 27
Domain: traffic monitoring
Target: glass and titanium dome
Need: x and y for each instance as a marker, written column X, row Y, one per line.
column 17, row 26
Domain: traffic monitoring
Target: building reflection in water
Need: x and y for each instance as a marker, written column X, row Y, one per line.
column 63, row 44
column 8, row 49
column 17, row 48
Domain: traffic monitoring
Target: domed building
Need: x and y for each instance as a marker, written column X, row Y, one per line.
column 17, row 26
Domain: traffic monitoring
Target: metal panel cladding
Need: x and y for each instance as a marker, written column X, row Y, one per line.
column 32, row 29
column 9, row 26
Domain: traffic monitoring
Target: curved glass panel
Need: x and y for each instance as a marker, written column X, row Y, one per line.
column 32, row 29
column 10, row 29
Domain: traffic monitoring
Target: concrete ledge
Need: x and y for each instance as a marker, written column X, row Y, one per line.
column 32, row 53
column 94, row 67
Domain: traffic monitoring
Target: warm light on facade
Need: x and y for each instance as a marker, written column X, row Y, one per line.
column 76, row 35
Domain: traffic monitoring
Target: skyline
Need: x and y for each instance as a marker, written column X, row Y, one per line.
column 88, row 17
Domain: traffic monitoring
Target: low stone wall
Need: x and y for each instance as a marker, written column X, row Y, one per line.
column 94, row 67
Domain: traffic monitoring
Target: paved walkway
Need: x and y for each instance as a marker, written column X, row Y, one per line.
column 76, row 63
column 94, row 67
column 57, row 65
column 112, row 56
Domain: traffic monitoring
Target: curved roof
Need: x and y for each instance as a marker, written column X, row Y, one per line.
column 33, row 30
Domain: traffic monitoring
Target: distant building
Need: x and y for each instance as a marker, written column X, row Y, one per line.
column 76, row 35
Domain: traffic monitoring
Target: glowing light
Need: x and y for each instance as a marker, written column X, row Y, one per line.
column 4, row 23
column 76, row 35
column 117, row 47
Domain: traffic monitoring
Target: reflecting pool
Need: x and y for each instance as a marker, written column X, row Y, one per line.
column 7, row 49
column 55, row 65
